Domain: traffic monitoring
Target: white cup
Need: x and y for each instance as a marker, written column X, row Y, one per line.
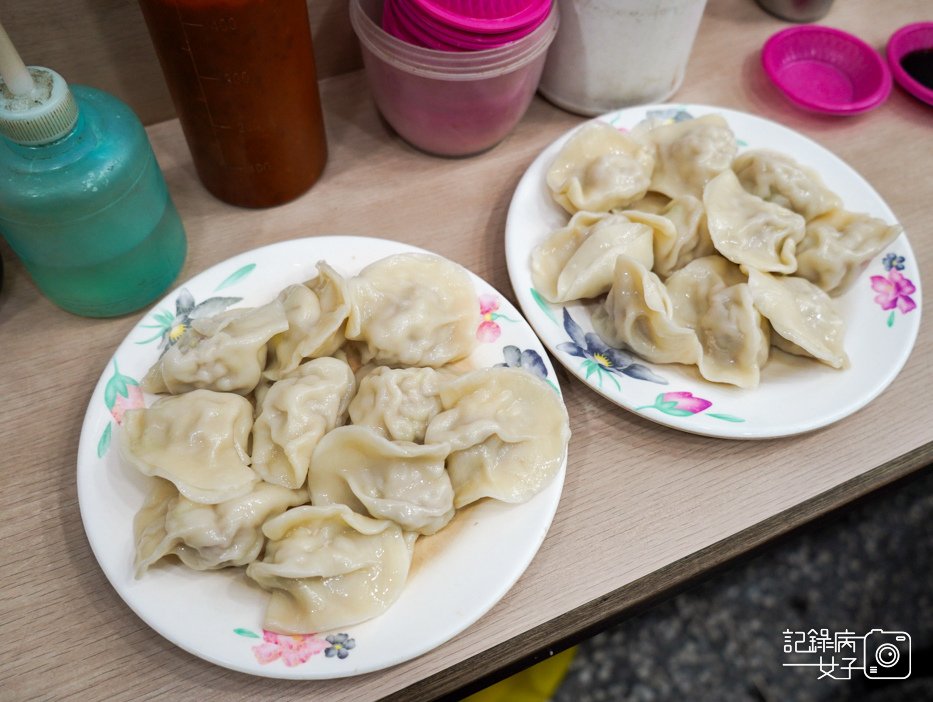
column 614, row 53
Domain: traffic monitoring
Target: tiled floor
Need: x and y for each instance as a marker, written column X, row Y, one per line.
column 870, row 568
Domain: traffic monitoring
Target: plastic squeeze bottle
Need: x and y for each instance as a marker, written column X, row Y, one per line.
column 242, row 77
column 82, row 200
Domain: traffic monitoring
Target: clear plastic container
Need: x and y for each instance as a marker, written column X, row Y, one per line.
column 453, row 103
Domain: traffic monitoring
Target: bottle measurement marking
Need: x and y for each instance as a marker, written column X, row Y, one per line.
column 224, row 25
column 203, row 96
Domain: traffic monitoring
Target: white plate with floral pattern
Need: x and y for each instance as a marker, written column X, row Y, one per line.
column 457, row 575
column 882, row 310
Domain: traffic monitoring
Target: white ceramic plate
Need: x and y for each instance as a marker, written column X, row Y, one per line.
column 457, row 575
column 795, row 395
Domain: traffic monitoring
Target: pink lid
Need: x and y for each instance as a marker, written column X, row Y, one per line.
column 397, row 22
column 456, row 36
column 826, row 70
column 486, row 16
column 408, row 21
column 913, row 37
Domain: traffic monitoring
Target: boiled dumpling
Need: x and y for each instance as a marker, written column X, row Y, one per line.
column 638, row 315
column 397, row 480
column 709, row 295
column 748, row 230
column 690, row 287
column 839, row 245
column 203, row 536
column 329, row 568
column 780, row 179
column 398, row 401
column 198, row 441
column 600, row 168
column 293, row 416
column 577, row 261
column 689, row 154
column 653, row 203
column 413, row 309
column 226, row 352
column 316, row 313
column 508, row 433
column 802, row 314
column 680, row 233
column 735, row 338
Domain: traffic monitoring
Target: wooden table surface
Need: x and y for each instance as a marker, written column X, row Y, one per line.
column 643, row 509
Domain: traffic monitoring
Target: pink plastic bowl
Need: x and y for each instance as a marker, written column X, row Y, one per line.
column 826, row 70
column 902, row 42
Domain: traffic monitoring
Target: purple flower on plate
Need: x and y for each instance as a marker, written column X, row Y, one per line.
column 892, row 260
column 529, row 359
column 601, row 359
column 340, row 645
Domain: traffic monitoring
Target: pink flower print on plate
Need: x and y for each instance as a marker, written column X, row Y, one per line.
column 489, row 330
column 894, row 290
column 121, row 393
column 132, row 400
column 686, row 404
column 293, row 650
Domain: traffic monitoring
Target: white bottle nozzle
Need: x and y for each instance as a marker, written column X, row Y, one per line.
column 36, row 106
column 14, row 72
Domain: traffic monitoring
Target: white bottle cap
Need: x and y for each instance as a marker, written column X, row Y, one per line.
column 43, row 115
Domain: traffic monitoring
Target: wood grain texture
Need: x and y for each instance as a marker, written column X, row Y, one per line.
column 644, row 507
column 104, row 43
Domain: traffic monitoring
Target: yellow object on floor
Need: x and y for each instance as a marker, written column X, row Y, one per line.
column 535, row 684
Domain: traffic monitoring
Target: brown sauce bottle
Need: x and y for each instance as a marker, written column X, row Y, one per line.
column 242, row 78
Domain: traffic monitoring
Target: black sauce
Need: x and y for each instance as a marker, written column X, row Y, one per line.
column 919, row 65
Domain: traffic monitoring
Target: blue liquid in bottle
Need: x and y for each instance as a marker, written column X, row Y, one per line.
column 87, row 212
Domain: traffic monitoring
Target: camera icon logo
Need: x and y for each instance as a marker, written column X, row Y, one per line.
column 887, row 655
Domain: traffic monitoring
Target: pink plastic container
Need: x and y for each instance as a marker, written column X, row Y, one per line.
column 913, row 37
column 826, row 70
column 449, row 103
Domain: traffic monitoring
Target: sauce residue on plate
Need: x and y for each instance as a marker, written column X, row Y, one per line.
column 919, row 66
column 427, row 546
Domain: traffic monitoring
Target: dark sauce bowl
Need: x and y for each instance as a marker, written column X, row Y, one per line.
column 910, row 39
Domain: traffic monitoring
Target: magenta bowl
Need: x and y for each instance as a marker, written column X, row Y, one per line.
column 826, row 70
column 906, row 39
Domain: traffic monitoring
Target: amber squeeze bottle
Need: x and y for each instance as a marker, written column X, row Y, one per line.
column 242, row 78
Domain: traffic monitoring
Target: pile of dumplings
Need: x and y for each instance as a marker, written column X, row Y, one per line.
column 697, row 255
column 315, row 438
